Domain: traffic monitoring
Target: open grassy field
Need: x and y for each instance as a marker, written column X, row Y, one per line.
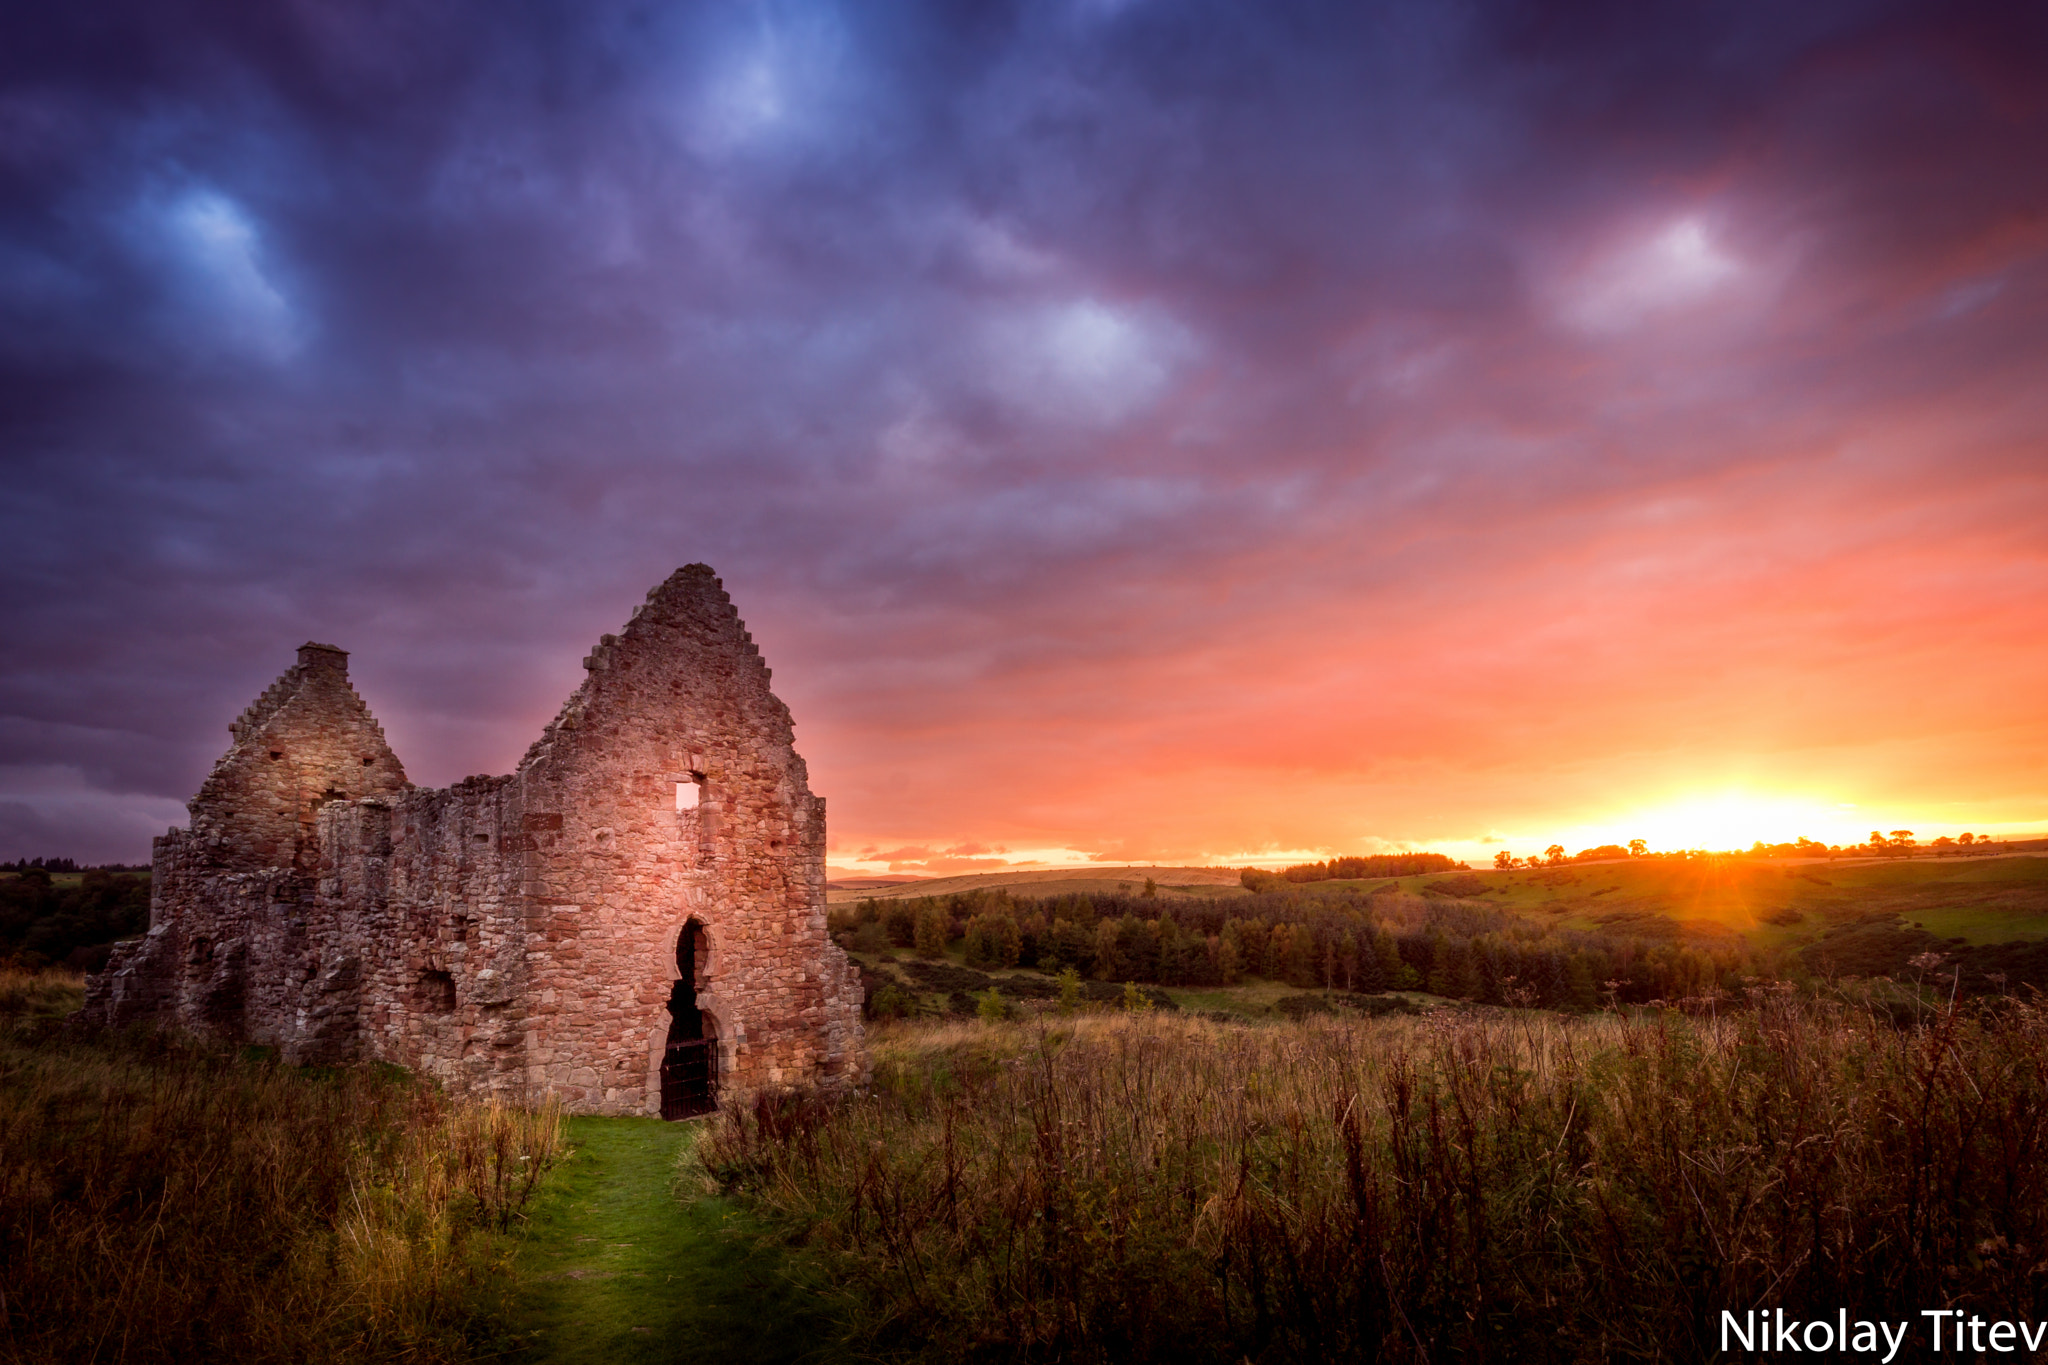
column 1065, row 881
column 1501, row 1185
column 1987, row 899
column 163, row 1201
column 166, row 1201
column 1773, row 902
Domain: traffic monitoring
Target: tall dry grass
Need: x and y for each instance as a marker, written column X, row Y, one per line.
column 161, row 1201
column 51, row 993
column 1476, row 1188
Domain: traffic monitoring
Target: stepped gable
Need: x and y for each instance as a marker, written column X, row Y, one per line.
column 307, row 740
column 689, row 627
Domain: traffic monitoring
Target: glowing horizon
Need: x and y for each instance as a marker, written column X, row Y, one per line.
column 1479, row 853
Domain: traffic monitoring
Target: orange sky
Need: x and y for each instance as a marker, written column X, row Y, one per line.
column 1133, row 431
column 1825, row 645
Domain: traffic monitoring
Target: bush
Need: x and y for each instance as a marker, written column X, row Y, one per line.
column 1070, row 991
column 891, row 1002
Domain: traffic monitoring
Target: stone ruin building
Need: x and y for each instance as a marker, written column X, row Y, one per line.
column 634, row 920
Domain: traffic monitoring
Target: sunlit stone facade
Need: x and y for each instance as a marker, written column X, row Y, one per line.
column 517, row 934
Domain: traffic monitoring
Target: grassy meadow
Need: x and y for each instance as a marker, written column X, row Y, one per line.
column 1983, row 900
column 1315, row 1122
column 162, row 1201
column 1493, row 1184
column 1069, row 881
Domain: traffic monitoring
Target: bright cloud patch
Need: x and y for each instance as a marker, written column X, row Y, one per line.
column 1085, row 360
column 1679, row 267
column 221, row 252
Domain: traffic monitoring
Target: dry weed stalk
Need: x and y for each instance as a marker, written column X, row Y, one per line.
column 1478, row 1186
column 164, row 1202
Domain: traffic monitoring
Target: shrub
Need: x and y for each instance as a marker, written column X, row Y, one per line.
column 891, row 1002
column 1070, row 991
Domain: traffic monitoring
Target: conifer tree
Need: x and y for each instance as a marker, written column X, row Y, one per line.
column 931, row 932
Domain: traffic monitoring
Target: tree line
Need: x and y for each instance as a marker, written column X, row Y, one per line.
column 1352, row 869
column 1350, row 942
column 42, row 924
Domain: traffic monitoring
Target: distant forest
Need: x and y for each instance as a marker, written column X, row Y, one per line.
column 67, row 865
column 43, row 924
column 1367, row 940
column 1349, row 939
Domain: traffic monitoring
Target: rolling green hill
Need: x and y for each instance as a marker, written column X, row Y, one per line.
column 1059, row 881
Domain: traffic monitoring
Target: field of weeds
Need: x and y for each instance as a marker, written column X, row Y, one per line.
column 165, row 1202
column 1493, row 1185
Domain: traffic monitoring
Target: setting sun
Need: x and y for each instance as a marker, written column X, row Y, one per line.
column 1733, row 820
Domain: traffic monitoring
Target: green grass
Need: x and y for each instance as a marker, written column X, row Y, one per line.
column 617, row 1267
column 1988, row 900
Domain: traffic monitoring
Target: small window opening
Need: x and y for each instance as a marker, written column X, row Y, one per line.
column 688, row 794
column 481, row 838
column 368, row 761
column 276, row 754
column 436, row 992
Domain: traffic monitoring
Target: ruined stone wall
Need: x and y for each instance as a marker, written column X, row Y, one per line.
column 514, row 934
column 237, row 945
column 306, row 741
column 431, row 885
column 616, row 871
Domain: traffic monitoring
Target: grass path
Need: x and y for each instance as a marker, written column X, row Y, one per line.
column 615, row 1269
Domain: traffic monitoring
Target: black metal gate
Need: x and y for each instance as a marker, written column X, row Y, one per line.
column 689, row 1064
column 687, row 1070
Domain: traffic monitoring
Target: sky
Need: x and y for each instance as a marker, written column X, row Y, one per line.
column 1150, row 431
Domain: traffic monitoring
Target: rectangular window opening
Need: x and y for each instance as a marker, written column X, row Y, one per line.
column 688, row 794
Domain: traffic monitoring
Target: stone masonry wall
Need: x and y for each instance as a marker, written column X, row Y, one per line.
column 514, row 934
column 615, row 871
column 235, row 945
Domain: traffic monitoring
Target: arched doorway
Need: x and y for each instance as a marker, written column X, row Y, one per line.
column 689, row 1063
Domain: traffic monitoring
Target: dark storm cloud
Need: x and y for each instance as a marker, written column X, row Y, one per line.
column 970, row 343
